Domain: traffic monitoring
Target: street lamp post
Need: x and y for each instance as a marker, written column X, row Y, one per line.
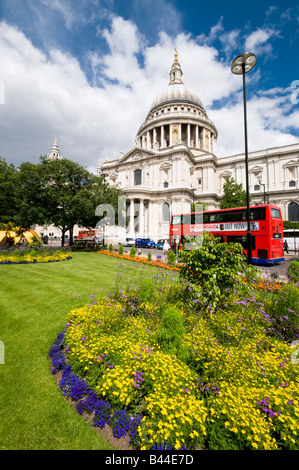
column 240, row 66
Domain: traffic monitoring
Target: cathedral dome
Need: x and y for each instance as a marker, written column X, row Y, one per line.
column 176, row 90
column 177, row 116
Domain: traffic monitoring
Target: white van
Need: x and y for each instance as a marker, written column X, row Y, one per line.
column 128, row 241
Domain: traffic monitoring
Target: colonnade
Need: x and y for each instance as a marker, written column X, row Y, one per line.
column 141, row 220
column 166, row 135
column 151, row 219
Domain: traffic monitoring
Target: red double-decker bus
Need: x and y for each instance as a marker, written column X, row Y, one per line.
column 230, row 226
column 91, row 236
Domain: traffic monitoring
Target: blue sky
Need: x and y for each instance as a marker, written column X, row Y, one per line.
column 86, row 72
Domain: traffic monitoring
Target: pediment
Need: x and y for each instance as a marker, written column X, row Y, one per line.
column 225, row 174
column 165, row 166
column 291, row 163
column 256, row 169
column 135, row 155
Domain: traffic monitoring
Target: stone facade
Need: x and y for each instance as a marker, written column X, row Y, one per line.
column 174, row 164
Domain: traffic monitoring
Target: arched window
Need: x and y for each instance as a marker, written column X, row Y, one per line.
column 293, row 212
column 165, row 212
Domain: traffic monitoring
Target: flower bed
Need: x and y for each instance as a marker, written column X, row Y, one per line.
column 140, row 259
column 174, row 374
column 24, row 254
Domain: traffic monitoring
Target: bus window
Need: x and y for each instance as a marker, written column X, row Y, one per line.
column 242, row 239
column 186, row 219
column 276, row 235
column 275, row 213
column 176, row 220
column 197, row 218
column 258, row 213
column 235, row 216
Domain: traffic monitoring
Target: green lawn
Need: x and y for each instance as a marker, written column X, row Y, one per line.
column 34, row 301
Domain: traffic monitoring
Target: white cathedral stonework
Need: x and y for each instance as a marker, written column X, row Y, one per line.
column 174, row 164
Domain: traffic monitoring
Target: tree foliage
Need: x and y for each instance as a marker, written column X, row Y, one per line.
column 288, row 224
column 213, row 268
column 233, row 194
column 58, row 192
column 8, row 195
column 73, row 194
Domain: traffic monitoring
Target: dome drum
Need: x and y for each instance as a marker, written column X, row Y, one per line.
column 166, row 135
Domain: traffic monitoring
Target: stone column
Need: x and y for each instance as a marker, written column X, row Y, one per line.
column 162, row 137
column 148, row 140
column 196, row 137
column 180, row 132
column 132, row 213
column 141, row 218
column 203, row 136
column 205, row 178
column 188, row 135
column 144, row 141
column 154, row 137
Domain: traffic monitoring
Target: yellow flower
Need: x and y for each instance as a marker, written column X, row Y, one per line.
column 177, row 444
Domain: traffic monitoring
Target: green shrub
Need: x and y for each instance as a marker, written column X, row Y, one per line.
column 147, row 290
column 132, row 252
column 121, row 250
column 171, row 258
column 36, row 242
column 293, row 271
column 110, row 248
column 213, row 267
column 149, row 257
column 170, row 332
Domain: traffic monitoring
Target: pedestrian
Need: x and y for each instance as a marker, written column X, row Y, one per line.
column 166, row 247
column 286, row 246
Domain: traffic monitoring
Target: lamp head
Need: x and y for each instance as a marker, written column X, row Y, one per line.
column 243, row 63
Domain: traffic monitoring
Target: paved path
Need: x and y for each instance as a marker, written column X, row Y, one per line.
column 279, row 269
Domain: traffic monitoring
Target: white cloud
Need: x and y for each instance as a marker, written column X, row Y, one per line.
column 269, row 120
column 258, row 41
column 123, row 37
column 48, row 96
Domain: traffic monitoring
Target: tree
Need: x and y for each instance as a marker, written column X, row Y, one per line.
column 61, row 193
column 233, row 194
column 198, row 206
column 73, row 194
column 8, row 192
column 33, row 203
